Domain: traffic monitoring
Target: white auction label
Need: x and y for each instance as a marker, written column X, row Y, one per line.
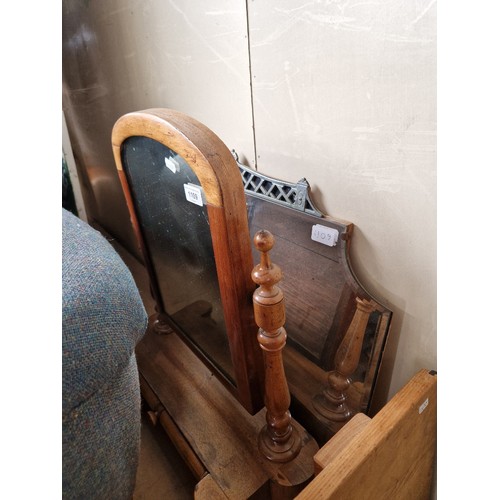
column 326, row 235
column 423, row 406
column 194, row 194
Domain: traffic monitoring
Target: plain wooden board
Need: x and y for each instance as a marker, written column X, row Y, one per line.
column 342, row 439
column 391, row 457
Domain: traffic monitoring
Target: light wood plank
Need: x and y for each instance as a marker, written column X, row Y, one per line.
column 392, row 457
column 340, row 441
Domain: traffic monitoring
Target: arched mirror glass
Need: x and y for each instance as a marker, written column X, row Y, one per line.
column 171, row 210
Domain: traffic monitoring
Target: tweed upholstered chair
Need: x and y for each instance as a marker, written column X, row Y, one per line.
column 103, row 319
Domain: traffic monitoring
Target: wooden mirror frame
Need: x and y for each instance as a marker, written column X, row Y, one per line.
column 220, row 179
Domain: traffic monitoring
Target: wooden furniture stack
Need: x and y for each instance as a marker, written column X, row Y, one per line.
column 217, row 369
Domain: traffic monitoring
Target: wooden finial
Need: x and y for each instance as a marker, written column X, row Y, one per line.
column 332, row 403
column 279, row 440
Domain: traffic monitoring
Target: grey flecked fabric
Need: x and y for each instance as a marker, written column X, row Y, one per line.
column 103, row 318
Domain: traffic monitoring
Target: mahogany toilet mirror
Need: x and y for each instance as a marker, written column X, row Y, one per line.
column 194, row 208
column 186, row 203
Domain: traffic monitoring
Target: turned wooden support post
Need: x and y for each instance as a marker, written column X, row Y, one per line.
column 332, row 403
column 279, row 440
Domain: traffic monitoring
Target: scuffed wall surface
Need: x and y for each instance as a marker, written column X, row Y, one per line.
column 345, row 94
column 129, row 55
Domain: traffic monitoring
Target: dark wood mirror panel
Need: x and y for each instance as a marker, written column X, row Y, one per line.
column 322, row 298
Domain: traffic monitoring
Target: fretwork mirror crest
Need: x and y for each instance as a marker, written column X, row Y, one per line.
column 321, row 291
column 187, row 209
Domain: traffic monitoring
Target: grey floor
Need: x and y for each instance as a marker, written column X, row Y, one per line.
column 162, row 474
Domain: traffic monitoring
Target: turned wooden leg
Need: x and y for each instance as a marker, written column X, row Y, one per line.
column 332, row 403
column 279, row 440
column 160, row 324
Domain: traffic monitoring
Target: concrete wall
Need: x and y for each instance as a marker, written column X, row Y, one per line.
column 342, row 92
